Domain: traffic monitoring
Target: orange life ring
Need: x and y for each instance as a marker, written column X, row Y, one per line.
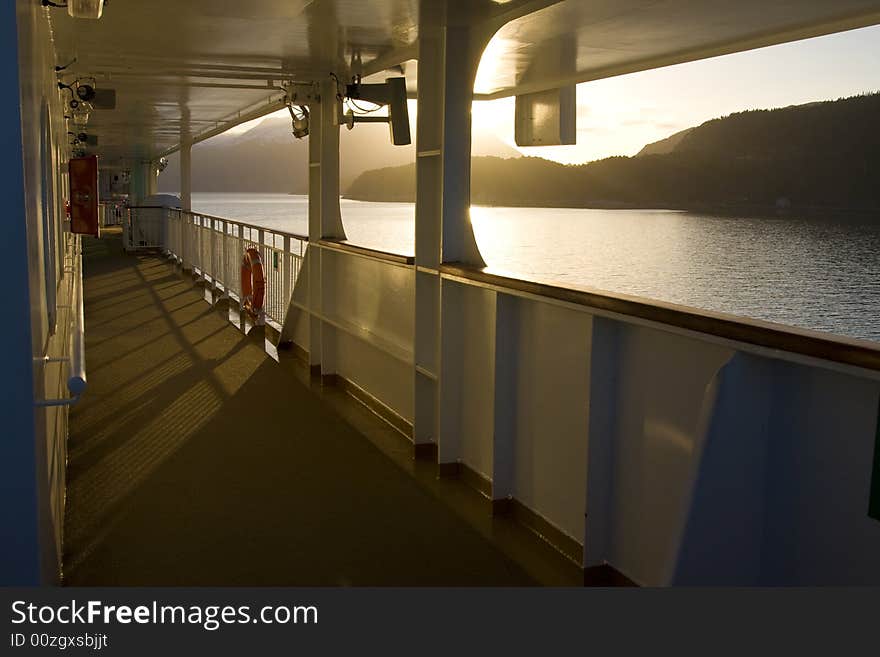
column 253, row 283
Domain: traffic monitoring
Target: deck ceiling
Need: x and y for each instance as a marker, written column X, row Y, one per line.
column 201, row 65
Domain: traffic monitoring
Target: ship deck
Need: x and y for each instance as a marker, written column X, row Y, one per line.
column 197, row 459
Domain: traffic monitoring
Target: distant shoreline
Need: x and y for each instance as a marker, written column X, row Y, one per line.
column 742, row 209
column 751, row 210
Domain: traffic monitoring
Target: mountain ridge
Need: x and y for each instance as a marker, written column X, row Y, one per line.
column 821, row 154
column 267, row 158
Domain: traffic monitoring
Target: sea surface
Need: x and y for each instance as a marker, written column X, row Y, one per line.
column 812, row 273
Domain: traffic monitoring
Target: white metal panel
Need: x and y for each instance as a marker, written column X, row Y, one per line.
column 720, row 537
column 817, row 531
column 382, row 376
column 662, row 395
column 371, row 297
column 467, row 376
column 782, row 488
column 551, row 413
column 546, row 118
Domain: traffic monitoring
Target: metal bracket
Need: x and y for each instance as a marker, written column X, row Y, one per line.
column 52, row 359
column 302, row 93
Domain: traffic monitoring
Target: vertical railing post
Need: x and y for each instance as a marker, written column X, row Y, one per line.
column 197, row 240
column 126, row 231
column 214, row 252
column 182, row 229
column 261, row 249
column 286, row 274
column 241, row 245
column 238, row 249
column 202, row 247
column 192, row 239
column 224, row 259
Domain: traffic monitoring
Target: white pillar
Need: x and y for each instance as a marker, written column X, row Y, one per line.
column 448, row 60
column 152, row 186
column 325, row 219
column 313, row 256
column 186, row 174
column 462, row 50
column 428, row 230
column 328, row 153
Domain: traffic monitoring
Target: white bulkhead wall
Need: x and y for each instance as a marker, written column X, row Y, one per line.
column 32, row 452
column 676, row 457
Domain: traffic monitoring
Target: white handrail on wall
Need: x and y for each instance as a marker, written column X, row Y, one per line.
column 76, row 380
column 76, row 344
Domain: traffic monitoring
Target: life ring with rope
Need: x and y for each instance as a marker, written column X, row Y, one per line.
column 253, row 282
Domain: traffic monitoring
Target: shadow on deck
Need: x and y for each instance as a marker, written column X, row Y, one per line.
column 195, row 459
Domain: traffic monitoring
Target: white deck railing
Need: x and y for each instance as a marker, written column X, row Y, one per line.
column 110, row 214
column 213, row 248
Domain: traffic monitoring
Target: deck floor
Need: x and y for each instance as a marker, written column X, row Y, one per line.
column 196, row 459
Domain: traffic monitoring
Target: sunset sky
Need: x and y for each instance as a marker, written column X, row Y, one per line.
column 618, row 116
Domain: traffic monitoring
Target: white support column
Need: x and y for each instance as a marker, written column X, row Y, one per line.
column 328, row 123
column 462, row 49
column 448, row 60
column 325, row 220
column 224, row 265
column 314, row 259
column 429, row 213
column 152, row 186
column 186, row 174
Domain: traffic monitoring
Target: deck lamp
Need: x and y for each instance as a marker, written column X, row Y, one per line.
column 301, row 127
column 85, row 8
column 81, row 114
column 300, row 121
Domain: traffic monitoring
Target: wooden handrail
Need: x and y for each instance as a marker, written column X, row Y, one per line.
column 379, row 254
column 838, row 349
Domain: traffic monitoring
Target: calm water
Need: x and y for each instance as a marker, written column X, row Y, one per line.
column 813, row 274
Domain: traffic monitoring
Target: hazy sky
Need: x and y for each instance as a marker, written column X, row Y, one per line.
column 618, row 116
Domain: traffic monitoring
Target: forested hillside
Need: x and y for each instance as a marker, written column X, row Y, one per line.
column 822, row 154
